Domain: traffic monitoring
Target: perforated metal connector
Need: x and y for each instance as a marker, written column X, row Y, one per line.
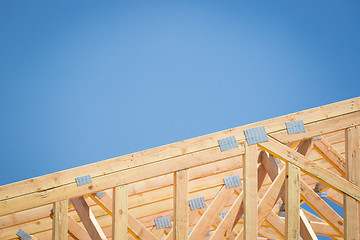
column 23, row 235
column 100, row 194
column 256, row 135
column 83, row 180
column 163, row 222
column 197, row 203
column 228, row 143
column 295, row 127
column 232, row 181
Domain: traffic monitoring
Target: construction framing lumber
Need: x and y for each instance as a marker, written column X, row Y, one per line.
column 120, row 213
column 181, row 209
column 351, row 206
column 310, row 167
column 60, row 220
column 250, row 193
column 88, row 219
column 128, row 193
column 292, row 202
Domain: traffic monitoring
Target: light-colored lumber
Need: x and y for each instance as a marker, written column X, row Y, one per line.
column 267, row 202
column 202, row 176
column 250, row 193
column 62, row 182
column 88, row 219
column 119, row 178
column 60, row 220
column 351, row 206
column 224, row 229
column 208, row 218
column 304, row 147
column 318, row 128
column 327, row 151
column 261, row 177
column 76, row 231
column 120, row 213
column 292, row 202
column 322, row 208
column 181, row 207
column 137, row 229
column 306, row 230
column 276, row 223
column 310, row 167
column 313, row 115
column 147, row 174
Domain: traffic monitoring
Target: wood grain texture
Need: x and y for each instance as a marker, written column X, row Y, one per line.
column 351, row 206
column 60, row 220
column 292, row 202
column 181, row 206
column 120, row 213
column 250, row 193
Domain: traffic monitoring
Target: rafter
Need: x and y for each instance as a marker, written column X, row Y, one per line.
column 148, row 176
column 310, row 167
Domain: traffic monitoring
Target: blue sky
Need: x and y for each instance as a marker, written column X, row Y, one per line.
column 86, row 81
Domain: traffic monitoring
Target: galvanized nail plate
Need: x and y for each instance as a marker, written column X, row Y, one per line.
column 232, row 181
column 163, row 222
column 228, row 143
column 295, row 127
column 197, row 203
column 256, row 135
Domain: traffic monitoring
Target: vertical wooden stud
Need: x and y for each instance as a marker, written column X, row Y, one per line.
column 250, row 193
column 351, row 207
column 181, row 208
column 120, row 213
column 292, row 202
column 60, row 220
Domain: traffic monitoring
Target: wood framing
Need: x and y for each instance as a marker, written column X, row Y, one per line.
column 120, row 213
column 250, row 193
column 60, row 220
column 239, row 182
column 351, row 206
column 181, row 209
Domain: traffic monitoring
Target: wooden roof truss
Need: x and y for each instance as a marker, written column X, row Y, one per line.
column 316, row 163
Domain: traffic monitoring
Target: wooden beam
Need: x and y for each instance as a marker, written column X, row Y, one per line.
column 60, row 220
column 208, row 218
column 59, row 186
column 250, row 193
column 314, row 169
column 261, row 177
column 137, row 229
column 306, row 230
column 268, row 201
column 225, row 226
column 276, row 223
column 319, row 128
column 120, row 213
column 139, row 173
column 321, row 208
column 88, row 219
column 209, row 173
column 270, row 165
column 351, row 206
column 181, row 205
column 237, row 209
column 328, row 152
column 292, row 202
column 76, row 231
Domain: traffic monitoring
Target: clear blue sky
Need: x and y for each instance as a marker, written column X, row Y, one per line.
column 83, row 81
